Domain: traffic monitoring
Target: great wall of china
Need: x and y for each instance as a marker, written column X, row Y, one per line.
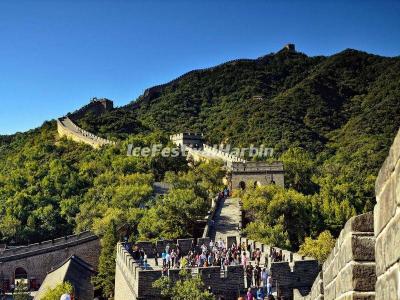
column 364, row 264
column 38, row 259
column 67, row 127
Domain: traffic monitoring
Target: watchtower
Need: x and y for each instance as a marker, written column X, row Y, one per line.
column 290, row 47
column 192, row 140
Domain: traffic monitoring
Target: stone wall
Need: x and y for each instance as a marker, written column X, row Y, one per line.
column 294, row 272
column 387, row 225
column 66, row 127
column 301, row 277
column 132, row 282
column 349, row 271
column 188, row 139
column 257, row 173
column 365, row 263
column 38, row 259
column 238, row 169
column 218, row 154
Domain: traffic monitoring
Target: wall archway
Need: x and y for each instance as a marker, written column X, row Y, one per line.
column 20, row 273
column 242, row 185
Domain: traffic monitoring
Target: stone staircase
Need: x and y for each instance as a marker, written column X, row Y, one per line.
column 226, row 220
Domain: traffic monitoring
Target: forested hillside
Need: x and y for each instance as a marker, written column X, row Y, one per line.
column 331, row 121
column 343, row 111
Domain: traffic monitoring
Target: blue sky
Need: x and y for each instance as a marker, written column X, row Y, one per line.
column 55, row 55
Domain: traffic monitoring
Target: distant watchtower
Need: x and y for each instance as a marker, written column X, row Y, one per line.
column 106, row 103
column 290, row 47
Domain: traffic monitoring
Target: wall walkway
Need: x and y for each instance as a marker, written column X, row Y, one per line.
column 66, row 127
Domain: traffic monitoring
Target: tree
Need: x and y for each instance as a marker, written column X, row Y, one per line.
column 299, row 169
column 277, row 215
column 185, row 288
column 319, row 248
column 56, row 292
column 104, row 280
column 173, row 216
column 21, row 292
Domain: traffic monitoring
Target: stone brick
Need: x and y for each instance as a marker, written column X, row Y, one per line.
column 357, row 296
column 386, row 206
column 392, row 241
column 380, row 255
column 396, row 176
column 363, row 223
column 363, row 248
column 364, row 277
column 385, row 172
column 388, row 285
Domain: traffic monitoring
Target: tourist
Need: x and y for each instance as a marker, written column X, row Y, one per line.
column 168, row 260
column 249, row 274
column 257, row 256
column 65, row 297
column 264, row 277
column 257, row 276
column 244, row 259
column 269, row 285
column 260, row 294
column 173, row 257
column 141, row 252
column 249, row 295
column 155, row 253
column 164, row 258
column 145, row 260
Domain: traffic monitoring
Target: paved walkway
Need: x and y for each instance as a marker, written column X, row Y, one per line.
column 226, row 219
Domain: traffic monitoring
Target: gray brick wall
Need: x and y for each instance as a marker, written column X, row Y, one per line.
column 387, row 225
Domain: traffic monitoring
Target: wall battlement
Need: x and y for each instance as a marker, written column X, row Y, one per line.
column 132, row 282
column 239, row 170
column 226, row 157
column 10, row 254
column 365, row 262
column 66, row 127
column 40, row 258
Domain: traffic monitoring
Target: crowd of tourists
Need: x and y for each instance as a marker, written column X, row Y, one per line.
column 216, row 253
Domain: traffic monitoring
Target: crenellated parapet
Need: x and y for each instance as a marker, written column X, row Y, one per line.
column 365, row 262
column 226, row 157
column 19, row 252
column 66, row 127
column 40, row 258
column 134, row 282
column 387, row 225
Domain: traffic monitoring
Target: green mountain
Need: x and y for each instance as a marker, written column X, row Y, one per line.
column 306, row 101
column 341, row 112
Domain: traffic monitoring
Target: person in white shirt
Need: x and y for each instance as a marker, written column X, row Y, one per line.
column 65, row 297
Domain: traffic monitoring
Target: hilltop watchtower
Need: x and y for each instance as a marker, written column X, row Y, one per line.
column 192, row 140
column 290, row 47
column 106, row 103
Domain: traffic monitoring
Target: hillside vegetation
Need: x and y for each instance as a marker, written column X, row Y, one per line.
column 331, row 120
column 342, row 111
